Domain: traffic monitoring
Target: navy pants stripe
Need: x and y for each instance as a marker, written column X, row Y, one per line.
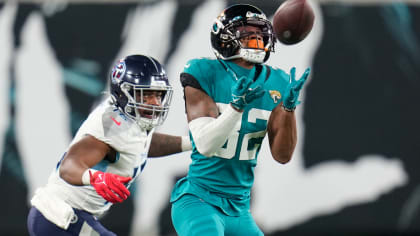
column 38, row 225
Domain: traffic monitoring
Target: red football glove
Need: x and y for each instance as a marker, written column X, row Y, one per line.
column 110, row 186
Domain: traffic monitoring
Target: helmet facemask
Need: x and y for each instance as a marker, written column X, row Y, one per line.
column 252, row 45
column 147, row 115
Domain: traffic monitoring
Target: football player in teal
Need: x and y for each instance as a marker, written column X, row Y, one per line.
column 232, row 102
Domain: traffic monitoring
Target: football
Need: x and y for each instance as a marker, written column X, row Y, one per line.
column 293, row 21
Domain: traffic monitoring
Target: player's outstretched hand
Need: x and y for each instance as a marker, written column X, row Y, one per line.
column 110, row 186
column 290, row 99
column 242, row 94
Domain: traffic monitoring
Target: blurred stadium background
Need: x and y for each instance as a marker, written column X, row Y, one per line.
column 355, row 170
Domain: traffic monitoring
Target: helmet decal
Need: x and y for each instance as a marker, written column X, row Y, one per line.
column 236, row 18
column 255, row 15
column 118, row 71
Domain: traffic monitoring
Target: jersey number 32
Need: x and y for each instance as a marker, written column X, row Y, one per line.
column 247, row 151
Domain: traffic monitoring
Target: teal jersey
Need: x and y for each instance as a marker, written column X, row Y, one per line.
column 229, row 174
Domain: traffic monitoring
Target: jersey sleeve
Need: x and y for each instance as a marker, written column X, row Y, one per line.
column 197, row 73
column 107, row 126
column 189, row 80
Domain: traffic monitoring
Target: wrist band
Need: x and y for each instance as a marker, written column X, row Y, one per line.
column 288, row 109
column 186, row 143
column 86, row 176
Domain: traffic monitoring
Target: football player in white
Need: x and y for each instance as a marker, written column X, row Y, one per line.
column 108, row 152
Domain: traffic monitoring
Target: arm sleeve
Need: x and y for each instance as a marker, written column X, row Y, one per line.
column 210, row 134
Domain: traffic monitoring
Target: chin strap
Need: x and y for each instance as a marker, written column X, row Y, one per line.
column 252, row 55
column 249, row 54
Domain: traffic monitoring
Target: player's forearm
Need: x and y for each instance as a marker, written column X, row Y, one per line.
column 72, row 171
column 210, row 134
column 282, row 135
column 164, row 144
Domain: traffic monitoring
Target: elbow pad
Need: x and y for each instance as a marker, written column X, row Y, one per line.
column 209, row 134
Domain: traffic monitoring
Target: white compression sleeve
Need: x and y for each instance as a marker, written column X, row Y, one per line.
column 210, row 134
column 185, row 143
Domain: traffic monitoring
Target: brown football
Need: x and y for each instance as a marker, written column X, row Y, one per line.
column 293, row 21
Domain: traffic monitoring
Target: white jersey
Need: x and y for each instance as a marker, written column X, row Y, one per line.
column 108, row 124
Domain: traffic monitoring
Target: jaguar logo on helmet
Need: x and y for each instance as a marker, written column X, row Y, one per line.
column 118, row 71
